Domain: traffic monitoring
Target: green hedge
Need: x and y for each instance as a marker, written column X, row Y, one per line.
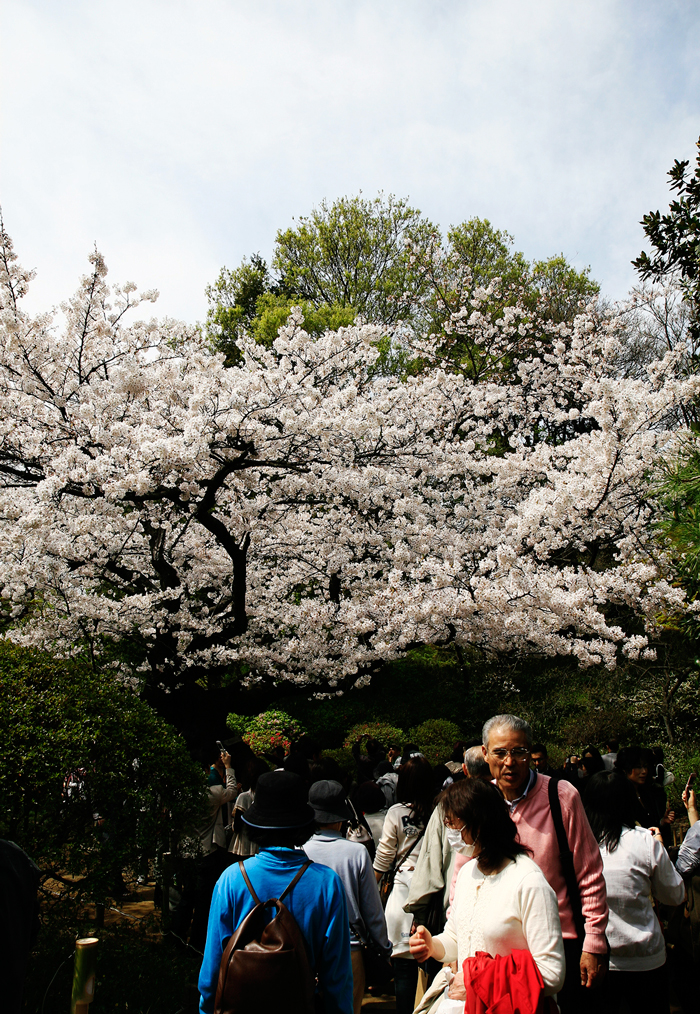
column 138, row 786
column 435, row 738
column 381, row 731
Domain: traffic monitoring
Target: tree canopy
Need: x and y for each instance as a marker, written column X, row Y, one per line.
column 383, row 261
column 675, row 239
column 301, row 517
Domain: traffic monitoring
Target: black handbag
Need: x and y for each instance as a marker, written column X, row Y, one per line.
column 434, row 919
column 379, row 970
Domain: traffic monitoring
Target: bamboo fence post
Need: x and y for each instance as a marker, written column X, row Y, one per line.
column 84, row 975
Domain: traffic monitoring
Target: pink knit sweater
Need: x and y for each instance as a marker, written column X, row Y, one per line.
column 536, row 830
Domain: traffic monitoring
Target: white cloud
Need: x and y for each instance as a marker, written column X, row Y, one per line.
column 180, row 135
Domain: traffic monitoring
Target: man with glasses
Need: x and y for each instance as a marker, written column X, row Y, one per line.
column 507, row 744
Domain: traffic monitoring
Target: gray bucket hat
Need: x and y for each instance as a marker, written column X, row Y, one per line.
column 329, row 802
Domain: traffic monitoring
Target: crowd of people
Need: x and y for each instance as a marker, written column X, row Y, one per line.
column 492, row 874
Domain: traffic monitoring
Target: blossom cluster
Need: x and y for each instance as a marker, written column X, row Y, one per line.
column 300, row 516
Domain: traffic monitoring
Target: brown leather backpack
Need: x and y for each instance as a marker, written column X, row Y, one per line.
column 265, row 965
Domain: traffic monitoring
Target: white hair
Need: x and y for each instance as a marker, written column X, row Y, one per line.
column 511, row 722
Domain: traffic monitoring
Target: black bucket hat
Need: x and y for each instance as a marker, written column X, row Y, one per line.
column 329, row 802
column 280, row 802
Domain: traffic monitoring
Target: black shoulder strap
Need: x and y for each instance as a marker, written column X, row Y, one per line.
column 566, row 857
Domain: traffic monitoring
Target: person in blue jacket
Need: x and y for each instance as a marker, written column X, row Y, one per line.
column 280, row 821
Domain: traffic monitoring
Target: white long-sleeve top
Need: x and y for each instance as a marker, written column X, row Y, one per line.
column 515, row 909
column 638, row 868
column 398, row 831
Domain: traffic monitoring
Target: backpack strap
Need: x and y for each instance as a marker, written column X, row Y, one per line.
column 566, row 858
column 241, row 866
column 296, row 880
column 285, row 892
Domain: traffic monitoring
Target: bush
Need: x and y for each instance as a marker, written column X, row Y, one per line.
column 344, row 759
column 381, row 731
column 267, row 731
column 681, row 760
column 92, row 781
column 435, row 738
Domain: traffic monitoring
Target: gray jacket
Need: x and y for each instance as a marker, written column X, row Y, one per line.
column 433, row 870
column 353, row 865
column 688, row 860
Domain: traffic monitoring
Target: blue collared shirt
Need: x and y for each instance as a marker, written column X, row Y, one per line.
column 512, row 803
column 688, row 860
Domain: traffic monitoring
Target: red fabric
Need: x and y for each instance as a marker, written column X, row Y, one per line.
column 504, row 985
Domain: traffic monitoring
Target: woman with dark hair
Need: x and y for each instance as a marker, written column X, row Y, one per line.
column 397, row 854
column 636, row 868
column 650, row 809
column 241, row 847
column 502, row 901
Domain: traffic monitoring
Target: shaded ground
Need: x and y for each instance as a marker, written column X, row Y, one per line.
column 139, row 970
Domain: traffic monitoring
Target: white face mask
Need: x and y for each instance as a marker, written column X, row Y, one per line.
column 456, row 842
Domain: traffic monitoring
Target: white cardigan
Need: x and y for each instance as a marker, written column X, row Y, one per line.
column 515, row 909
column 638, row 868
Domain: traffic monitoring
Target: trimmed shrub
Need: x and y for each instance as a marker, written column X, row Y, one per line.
column 435, row 738
column 267, row 731
column 381, row 731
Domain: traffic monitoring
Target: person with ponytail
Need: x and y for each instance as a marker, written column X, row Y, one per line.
column 636, row 868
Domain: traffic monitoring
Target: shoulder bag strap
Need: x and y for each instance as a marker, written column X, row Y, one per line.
column 406, row 853
column 566, row 858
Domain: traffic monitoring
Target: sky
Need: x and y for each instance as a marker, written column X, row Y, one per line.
column 180, row 135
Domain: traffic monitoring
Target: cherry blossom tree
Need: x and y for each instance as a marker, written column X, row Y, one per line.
column 300, row 516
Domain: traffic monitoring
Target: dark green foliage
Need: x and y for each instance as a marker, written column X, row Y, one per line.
column 675, row 238
column 425, row 684
column 138, row 787
column 137, row 973
column 568, row 707
column 435, row 738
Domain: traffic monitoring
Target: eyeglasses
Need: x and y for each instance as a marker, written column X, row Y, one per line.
column 519, row 753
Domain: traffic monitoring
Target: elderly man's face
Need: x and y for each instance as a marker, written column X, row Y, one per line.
column 508, row 756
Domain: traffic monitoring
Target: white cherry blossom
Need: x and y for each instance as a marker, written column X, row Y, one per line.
column 304, row 518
